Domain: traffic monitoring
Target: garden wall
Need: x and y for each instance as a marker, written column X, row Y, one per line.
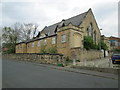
column 82, row 54
column 40, row 58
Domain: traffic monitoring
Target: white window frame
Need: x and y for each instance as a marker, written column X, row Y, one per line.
column 63, row 38
column 91, row 29
column 33, row 44
column 20, row 46
column 48, row 33
column 38, row 43
column 45, row 42
column 27, row 46
column 53, row 40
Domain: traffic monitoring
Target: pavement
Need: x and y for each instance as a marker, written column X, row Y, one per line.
column 101, row 63
column 19, row 74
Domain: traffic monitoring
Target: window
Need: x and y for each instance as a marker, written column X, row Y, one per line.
column 45, row 42
column 48, row 34
column 112, row 42
column 20, row 46
column 33, row 44
column 118, row 43
column 28, row 45
column 87, row 32
column 95, row 36
column 53, row 40
column 91, row 29
column 63, row 38
column 38, row 43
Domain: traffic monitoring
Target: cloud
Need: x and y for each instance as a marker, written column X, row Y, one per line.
column 0, row 15
column 47, row 12
column 107, row 18
column 110, row 24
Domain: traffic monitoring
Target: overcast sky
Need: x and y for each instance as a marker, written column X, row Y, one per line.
column 48, row 12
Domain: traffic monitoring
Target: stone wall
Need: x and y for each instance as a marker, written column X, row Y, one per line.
column 40, row 58
column 82, row 54
column 86, row 24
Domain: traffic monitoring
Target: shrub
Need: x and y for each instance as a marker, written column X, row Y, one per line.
column 52, row 49
column 103, row 46
column 43, row 49
column 77, row 60
column 67, row 58
column 60, row 65
column 89, row 43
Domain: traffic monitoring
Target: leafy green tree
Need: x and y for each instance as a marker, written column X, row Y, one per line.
column 9, row 38
column 103, row 46
column 17, row 33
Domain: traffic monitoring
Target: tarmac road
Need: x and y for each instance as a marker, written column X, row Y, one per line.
column 28, row 75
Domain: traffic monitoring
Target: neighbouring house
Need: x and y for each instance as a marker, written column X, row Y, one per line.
column 114, row 43
column 66, row 36
column 106, row 41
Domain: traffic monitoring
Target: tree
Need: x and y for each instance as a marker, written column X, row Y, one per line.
column 17, row 33
column 29, row 30
column 9, row 38
column 103, row 46
column 0, row 45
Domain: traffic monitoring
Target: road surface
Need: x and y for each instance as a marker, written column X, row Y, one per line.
column 28, row 75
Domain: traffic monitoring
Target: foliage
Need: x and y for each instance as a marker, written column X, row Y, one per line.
column 67, row 58
column 103, row 46
column 10, row 48
column 15, row 34
column 61, row 65
column 116, row 50
column 89, row 43
column 9, row 38
column 77, row 60
column 29, row 30
column 43, row 49
column 52, row 49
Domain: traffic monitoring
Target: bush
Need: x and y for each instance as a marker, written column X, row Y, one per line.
column 43, row 49
column 60, row 65
column 67, row 58
column 116, row 50
column 52, row 49
column 89, row 43
column 77, row 60
column 9, row 51
column 103, row 46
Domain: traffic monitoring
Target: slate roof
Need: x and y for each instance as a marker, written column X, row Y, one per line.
column 76, row 20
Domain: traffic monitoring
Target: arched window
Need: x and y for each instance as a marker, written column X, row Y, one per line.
column 87, row 32
column 91, row 29
column 94, row 36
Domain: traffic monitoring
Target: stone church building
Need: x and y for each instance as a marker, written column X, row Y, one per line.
column 66, row 36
